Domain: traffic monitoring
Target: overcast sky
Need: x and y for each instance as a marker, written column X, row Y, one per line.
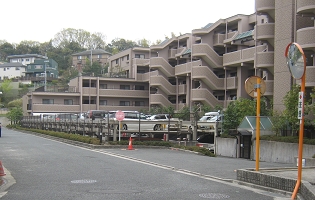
column 41, row 20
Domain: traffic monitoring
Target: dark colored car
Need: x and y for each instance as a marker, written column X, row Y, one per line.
column 96, row 114
column 207, row 138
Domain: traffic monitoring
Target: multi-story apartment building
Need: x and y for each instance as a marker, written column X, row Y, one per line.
column 208, row 66
column 97, row 55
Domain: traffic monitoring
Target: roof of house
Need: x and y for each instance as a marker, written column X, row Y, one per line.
column 17, row 64
column 27, row 56
column 94, row 52
column 244, row 35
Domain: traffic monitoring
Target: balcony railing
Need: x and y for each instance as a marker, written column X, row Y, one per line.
column 304, row 37
column 209, row 55
column 185, row 68
column 55, row 108
column 245, row 55
column 265, row 5
column 162, row 65
column 265, row 31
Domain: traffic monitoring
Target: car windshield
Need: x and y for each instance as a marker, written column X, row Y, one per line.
column 203, row 118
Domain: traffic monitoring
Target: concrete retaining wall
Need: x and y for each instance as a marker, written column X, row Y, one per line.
column 226, row 147
column 270, row 151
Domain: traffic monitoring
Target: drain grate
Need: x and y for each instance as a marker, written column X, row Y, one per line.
column 84, row 181
column 214, row 196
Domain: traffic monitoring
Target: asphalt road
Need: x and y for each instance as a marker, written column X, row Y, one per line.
column 45, row 169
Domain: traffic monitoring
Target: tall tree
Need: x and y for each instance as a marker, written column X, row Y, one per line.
column 6, row 49
column 118, row 45
column 27, row 47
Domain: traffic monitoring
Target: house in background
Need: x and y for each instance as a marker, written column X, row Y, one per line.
column 36, row 71
column 97, row 55
column 25, row 58
column 12, row 70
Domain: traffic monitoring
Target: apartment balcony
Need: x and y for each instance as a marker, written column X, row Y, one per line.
column 162, row 65
column 265, row 31
column 237, row 58
column 184, row 69
column 230, row 37
column 180, row 51
column 269, row 88
column 231, row 83
column 206, row 97
column 141, row 62
column 265, row 59
column 163, row 84
column 56, row 108
column 265, row 5
column 309, row 77
column 159, row 99
column 206, row 75
column 207, row 54
column 89, row 91
column 129, row 108
column 86, row 107
column 305, row 37
column 124, row 93
column 218, row 39
column 143, row 77
column 305, row 7
column 172, row 53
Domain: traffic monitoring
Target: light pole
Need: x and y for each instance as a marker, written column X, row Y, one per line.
column 45, row 81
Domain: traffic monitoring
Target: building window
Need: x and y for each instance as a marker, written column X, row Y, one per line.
column 122, row 59
column 139, row 103
column 124, row 103
column 27, row 59
column 140, row 71
column 116, row 61
column 17, row 68
column 125, row 87
column 29, row 67
column 4, row 69
column 68, row 102
column 139, row 56
column 99, row 56
column 103, row 86
column 139, row 87
column 127, row 57
column 48, row 101
column 79, row 57
column 103, row 102
column 38, row 66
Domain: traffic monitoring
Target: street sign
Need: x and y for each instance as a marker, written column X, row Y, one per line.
column 120, row 115
column 300, row 105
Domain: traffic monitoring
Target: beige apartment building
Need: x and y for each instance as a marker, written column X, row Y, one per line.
column 208, row 66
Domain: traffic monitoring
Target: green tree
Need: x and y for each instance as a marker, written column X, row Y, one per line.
column 15, row 103
column 290, row 101
column 119, row 44
column 15, row 115
column 5, row 88
column 240, row 108
column 96, row 68
column 27, row 47
column 6, row 49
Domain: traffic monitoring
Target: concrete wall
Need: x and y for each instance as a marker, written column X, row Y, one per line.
column 226, row 147
column 270, row 151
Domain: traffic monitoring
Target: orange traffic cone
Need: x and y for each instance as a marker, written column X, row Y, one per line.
column 1, row 170
column 130, row 144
